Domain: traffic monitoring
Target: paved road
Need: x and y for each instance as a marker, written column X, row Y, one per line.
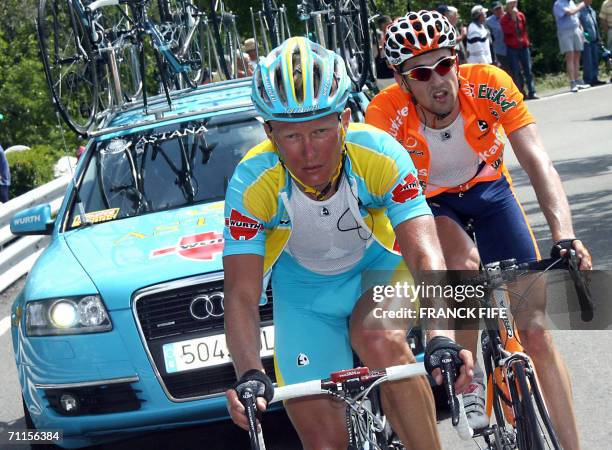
column 577, row 131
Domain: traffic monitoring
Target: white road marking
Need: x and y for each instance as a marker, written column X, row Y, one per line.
column 5, row 325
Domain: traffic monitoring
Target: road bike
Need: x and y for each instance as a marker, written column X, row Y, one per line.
column 358, row 389
column 514, row 396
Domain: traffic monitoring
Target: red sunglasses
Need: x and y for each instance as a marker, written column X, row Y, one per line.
column 423, row 73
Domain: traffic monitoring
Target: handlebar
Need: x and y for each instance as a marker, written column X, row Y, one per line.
column 496, row 274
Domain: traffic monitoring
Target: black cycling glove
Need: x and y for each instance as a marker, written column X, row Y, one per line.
column 436, row 347
column 563, row 244
column 258, row 382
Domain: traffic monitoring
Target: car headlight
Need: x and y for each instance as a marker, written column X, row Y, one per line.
column 73, row 315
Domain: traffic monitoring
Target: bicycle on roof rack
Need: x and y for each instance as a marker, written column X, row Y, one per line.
column 233, row 62
column 274, row 25
column 345, row 27
column 93, row 53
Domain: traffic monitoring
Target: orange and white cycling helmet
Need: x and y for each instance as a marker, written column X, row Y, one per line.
column 417, row 33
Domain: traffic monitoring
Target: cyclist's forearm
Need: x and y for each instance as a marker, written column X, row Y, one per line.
column 242, row 333
column 545, row 180
column 553, row 202
column 420, row 246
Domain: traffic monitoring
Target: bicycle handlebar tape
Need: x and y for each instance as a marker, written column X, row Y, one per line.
column 258, row 382
column 435, row 350
column 403, row 371
column 297, row 390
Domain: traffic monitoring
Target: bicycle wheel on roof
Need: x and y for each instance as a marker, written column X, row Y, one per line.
column 353, row 38
column 69, row 64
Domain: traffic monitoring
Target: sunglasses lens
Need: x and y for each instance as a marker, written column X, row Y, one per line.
column 444, row 66
column 421, row 74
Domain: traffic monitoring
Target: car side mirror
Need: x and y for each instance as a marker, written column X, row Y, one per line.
column 35, row 220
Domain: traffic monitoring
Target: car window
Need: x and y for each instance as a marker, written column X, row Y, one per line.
column 163, row 168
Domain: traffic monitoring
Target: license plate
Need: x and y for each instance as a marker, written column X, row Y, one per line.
column 208, row 351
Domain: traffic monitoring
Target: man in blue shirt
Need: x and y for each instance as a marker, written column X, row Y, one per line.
column 570, row 39
column 590, row 54
column 5, row 177
column 499, row 46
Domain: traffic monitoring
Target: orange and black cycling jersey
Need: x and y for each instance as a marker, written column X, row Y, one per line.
column 491, row 104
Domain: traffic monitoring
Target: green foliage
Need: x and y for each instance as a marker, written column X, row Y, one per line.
column 25, row 101
column 31, row 168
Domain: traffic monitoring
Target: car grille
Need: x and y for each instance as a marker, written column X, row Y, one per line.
column 164, row 317
column 166, row 313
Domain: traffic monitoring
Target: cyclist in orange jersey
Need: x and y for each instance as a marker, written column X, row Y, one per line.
column 452, row 120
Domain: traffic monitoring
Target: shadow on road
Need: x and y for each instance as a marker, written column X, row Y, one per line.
column 571, row 169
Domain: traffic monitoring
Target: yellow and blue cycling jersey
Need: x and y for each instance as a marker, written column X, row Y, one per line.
column 381, row 175
column 311, row 310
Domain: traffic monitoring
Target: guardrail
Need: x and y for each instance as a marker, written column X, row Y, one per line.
column 18, row 254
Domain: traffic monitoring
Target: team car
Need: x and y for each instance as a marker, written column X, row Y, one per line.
column 119, row 327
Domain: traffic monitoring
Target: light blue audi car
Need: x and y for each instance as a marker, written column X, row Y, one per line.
column 119, row 327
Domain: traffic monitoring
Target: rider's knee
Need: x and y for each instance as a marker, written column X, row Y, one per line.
column 537, row 342
column 382, row 348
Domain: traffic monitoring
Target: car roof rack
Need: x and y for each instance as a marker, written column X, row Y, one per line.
column 158, row 110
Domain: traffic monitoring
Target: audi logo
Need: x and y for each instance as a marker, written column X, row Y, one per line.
column 204, row 306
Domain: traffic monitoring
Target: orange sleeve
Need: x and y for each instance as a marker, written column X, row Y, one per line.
column 386, row 111
column 513, row 112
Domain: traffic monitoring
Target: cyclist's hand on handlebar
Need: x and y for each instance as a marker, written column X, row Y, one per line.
column 257, row 382
column 462, row 358
column 561, row 247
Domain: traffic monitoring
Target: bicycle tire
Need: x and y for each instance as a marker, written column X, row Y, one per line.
column 534, row 435
column 271, row 13
column 354, row 39
column 69, row 63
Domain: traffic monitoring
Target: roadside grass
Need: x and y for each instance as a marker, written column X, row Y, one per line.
column 555, row 81
column 550, row 82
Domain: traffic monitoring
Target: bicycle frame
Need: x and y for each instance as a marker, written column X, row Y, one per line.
column 504, row 357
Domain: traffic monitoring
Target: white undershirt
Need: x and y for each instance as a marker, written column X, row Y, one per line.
column 317, row 242
column 452, row 160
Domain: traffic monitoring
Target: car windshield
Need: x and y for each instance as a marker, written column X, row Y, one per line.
column 163, row 168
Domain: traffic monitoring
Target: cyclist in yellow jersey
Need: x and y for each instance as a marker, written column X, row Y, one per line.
column 316, row 205
column 451, row 119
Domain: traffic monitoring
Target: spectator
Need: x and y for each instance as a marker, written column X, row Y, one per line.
column 478, row 38
column 382, row 68
column 571, row 40
column 590, row 53
column 250, row 47
column 605, row 14
column 5, row 177
column 500, row 51
column 514, row 25
column 453, row 17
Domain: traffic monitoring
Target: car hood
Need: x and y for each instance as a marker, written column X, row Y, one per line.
column 125, row 255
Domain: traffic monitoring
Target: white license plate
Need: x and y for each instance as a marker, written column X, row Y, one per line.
column 208, row 351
